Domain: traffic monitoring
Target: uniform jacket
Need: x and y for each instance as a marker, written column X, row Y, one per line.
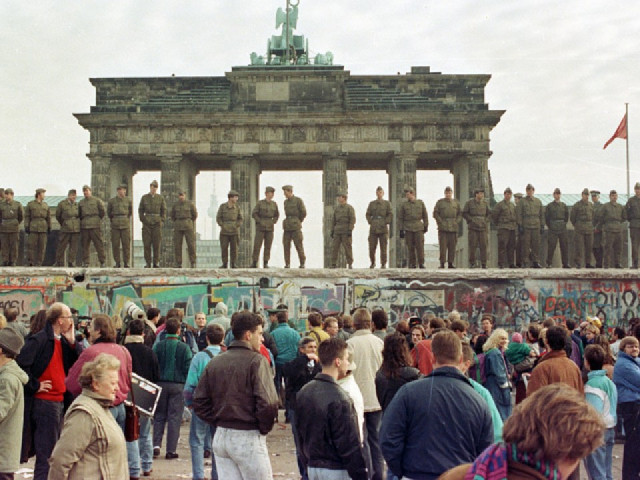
column 612, row 217
column 477, row 213
column 12, row 381
column 295, row 213
column 556, row 216
column 68, row 216
column 412, row 216
column 596, row 217
column 152, row 210
column 367, row 355
column 229, row 218
column 503, row 215
column 626, row 376
column 582, row 216
column 37, row 217
column 237, row 391
column 555, row 367
column 344, row 219
column 530, row 213
column 379, row 216
column 633, row 212
column 184, row 215
column 447, row 214
column 91, row 212
column 119, row 211
column 327, row 429
column 11, row 214
column 91, row 444
column 266, row 215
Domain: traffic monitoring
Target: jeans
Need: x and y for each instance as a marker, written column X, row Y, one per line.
column 327, row 474
column 198, row 434
column 47, row 420
column 145, row 443
column 133, row 454
column 372, row 422
column 168, row 411
column 600, row 461
column 292, row 418
column 241, row 454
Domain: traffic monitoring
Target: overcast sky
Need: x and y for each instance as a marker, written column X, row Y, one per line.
column 561, row 70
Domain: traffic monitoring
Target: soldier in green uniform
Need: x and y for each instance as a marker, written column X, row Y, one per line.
column 11, row 214
column 184, row 215
column 68, row 216
column 597, row 229
column 152, row 212
column 229, row 218
column 37, row 224
column 379, row 216
column 556, row 217
column 92, row 212
column 448, row 215
column 633, row 216
column 517, row 197
column 344, row 219
column 611, row 217
column 295, row 213
column 477, row 213
column 530, row 218
column 503, row 217
column 119, row 211
column 413, row 223
column 582, row 219
column 266, row 215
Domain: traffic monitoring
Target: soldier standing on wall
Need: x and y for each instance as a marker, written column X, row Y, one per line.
column 266, row 215
column 582, row 220
column 119, row 211
column 518, row 197
column 379, row 216
column 91, row 214
column 295, row 213
column 556, row 217
column 503, row 216
column 413, row 223
column 11, row 214
column 152, row 212
column 68, row 216
column 530, row 218
column 344, row 219
column 633, row 215
column 477, row 212
column 184, row 215
column 448, row 215
column 597, row 230
column 611, row 217
column 229, row 218
column 37, row 224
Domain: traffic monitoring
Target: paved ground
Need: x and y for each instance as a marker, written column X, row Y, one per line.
column 281, row 449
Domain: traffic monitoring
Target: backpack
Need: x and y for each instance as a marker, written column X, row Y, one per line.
column 476, row 370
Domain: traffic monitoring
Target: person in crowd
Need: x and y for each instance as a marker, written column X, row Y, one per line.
column 523, row 357
column 3, row 321
column 367, row 354
column 186, row 333
column 626, row 376
column 144, row 362
column 236, row 394
column 92, row 444
column 200, row 432
column 421, row 353
column 11, row 317
column 102, row 337
column 325, row 418
column 609, row 360
column 330, row 325
column 220, row 316
column 174, row 358
column 395, row 370
column 350, row 387
column 567, row 430
column 347, row 321
column 286, row 340
column 151, row 324
column 616, row 337
column 342, row 332
column 590, row 333
column 12, row 381
column 496, row 371
column 37, row 322
column 46, row 358
column 460, row 327
column 417, row 335
column 414, row 440
column 316, row 332
column 200, row 332
column 601, row 393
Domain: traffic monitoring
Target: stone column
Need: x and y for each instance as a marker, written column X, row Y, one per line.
column 101, row 165
column 245, row 173
column 334, row 180
column 402, row 173
column 170, row 176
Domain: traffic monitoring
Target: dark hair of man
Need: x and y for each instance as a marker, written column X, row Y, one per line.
column 282, row 317
column 618, row 331
column 214, row 333
column 347, row 321
column 136, row 327
column 315, row 319
column 636, row 332
column 331, row 349
column 467, row 353
column 176, row 312
column 395, row 355
column 534, row 332
column 571, row 324
column 11, row 314
column 362, row 319
column 172, row 325
column 245, row 322
column 54, row 312
column 446, row 347
column 305, row 340
column 556, row 337
column 380, row 319
column 340, row 321
column 153, row 312
column 548, row 322
column 594, row 354
column 102, row 323
column 459, row 326
column 436, row 323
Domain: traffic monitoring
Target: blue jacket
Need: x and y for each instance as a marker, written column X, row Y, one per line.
column 434, row 424
column 626, row 376
column 287, row 340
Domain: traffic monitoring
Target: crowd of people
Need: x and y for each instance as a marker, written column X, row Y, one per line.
column 427, row 398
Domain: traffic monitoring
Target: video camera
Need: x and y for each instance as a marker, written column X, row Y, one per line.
column 130, row 312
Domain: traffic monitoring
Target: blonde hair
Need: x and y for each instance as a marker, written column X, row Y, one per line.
column 494, row 340
column 97, row 369
column 628, row 341
column 592, row 328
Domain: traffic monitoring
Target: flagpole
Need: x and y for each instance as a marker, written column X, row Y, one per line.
column 626, row 107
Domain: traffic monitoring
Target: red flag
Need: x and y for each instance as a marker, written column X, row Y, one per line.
column 621, row 132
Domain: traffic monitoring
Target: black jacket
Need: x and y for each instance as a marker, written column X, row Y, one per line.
column 297, row 374
column 327, row 428
column 144, row 361
column 387, row 387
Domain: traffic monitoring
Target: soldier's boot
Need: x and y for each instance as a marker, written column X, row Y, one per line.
column 286, row 265
column 193, row 264
column 589, row 266
column 635, row 264
column 302, row 265
column 566, row 266
column 148, row 265
column 451, row 265
column 155, row 265
column 441, row 265
column 224, row 265
column 117, row 265
column 350, row 266
column 373, row 265
column 513, row 265
column 265, row 264
column 254, row 264
column 484, row 265
column 422, row 266
column 126, row 265
column 233, row 265
column 384, row 265
column 70, row 264
column 536, row 265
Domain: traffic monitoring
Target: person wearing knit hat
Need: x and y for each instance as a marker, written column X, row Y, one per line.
column 582, row 217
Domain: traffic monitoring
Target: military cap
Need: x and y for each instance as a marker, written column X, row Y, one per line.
column 8, row 190
column 154, row 183
column 232, row 193
column 86, row 187
column 635, row 187
column 595, row 192
column 122, row 186
column 478, row 190
column 585, row 191
column 518, row 195
column 379, row 188
column 342, row 194
column 270, row 189
column 448, row 189
column 613, row 192
column 287, row 187
column 530, row 187
column 72, row 191
column 409, row 190
column 556, row 190
column 181, row 192
column 40, row 190
column 508, row 190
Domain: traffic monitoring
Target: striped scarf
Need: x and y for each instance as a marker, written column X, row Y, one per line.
column 493, row 463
